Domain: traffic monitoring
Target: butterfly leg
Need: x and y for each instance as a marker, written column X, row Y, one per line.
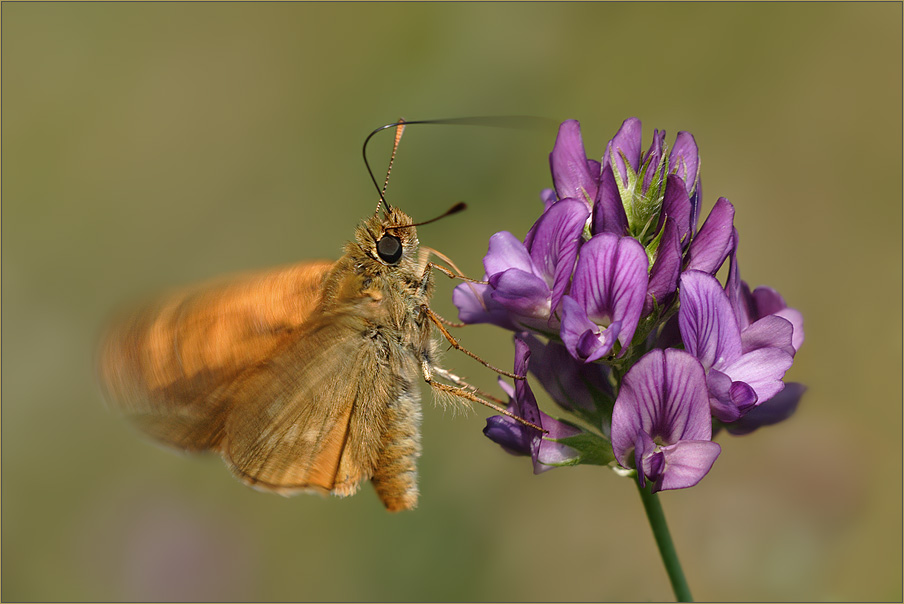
column 466, row 391
column 451, row 339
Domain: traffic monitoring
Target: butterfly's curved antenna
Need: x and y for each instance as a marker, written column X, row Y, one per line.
column 495, row 121
column 400, row 128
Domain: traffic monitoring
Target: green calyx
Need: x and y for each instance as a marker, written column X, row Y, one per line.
column 642, row 207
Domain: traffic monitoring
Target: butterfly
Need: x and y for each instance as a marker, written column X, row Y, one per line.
column 303, row 378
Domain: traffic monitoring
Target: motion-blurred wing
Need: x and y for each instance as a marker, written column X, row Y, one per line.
column 162, row 364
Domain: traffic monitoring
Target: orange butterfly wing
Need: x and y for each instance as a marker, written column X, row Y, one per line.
column 163, row 363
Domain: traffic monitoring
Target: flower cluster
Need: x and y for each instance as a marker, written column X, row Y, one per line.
column 619, row 315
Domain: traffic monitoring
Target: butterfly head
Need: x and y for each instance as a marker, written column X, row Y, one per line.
column 390, row 240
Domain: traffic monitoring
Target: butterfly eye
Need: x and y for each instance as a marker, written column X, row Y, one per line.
column 389, row 248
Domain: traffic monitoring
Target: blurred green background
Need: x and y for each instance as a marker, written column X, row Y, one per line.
column 149, row 145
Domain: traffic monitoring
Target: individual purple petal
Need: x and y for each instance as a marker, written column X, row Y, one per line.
column 684, row 160
column 655, row 150
column 762, row 370
column 507, row 433
column 476, row 305
column 663, row 401
column 777, row 409
column 652, row 158
column 511, row 435
column 708, row 326
column 571, row 173
column 713, row 243
column 772, row 331
column 677, row 206
column 743, row 396
column 728, row 400
column 506, row 251
column 625, row 145
column 664, row 274
column 525, row 402
column 610, row 282
column 548, row 197
column 596, row 344
column 767, row 301
column 583, row 338
column 555, row 242
column 608, row 211
column 686, row 463
column 521, row 293
column 796, row 319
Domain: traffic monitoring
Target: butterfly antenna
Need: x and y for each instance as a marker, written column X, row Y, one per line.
column 400, row 128
column 395, row 146
column 519, row 122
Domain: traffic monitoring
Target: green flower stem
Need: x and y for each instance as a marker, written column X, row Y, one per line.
column 664, row 540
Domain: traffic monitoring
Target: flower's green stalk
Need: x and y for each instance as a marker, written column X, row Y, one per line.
column 664, row 541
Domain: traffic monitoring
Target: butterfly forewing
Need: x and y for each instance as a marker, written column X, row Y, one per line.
column 162, row 364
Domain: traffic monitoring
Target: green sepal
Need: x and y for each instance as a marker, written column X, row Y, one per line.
column 586, row 234
column 592, row 449
column 649, row 202
column 626, row 190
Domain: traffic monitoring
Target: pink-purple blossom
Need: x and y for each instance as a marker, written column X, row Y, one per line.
column 606, row 297
column 744, row 367
column 614, row 291
column 661, row 422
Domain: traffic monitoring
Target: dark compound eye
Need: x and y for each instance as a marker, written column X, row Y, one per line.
column 389, row 248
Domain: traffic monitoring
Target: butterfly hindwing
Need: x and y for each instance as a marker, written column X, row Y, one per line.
column 332, row 409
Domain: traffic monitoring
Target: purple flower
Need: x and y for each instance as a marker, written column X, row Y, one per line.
column 744, row 368
column 661, row 422
column 607, row 297
column 616, row 267
column 518, row 439
column 526, row 280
